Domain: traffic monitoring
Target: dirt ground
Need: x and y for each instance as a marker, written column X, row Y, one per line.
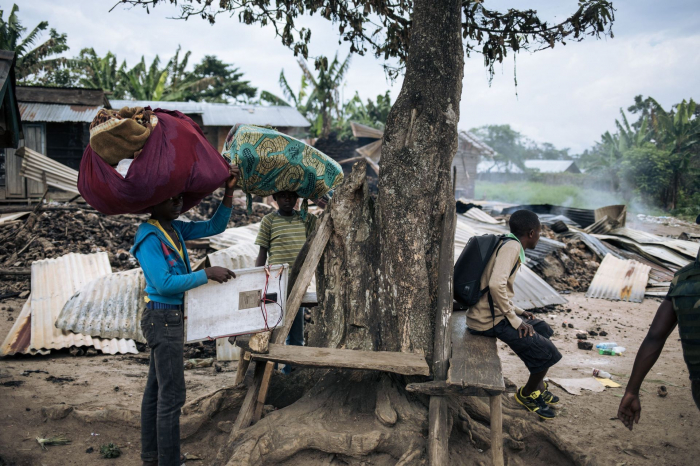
column 667, row 433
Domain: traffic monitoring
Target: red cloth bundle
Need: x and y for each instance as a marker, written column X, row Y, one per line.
column 176, row 159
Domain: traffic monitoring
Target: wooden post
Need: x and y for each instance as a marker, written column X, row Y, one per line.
column 438, row 427
column 261, row 380
column 243, row 363
column 496, row 430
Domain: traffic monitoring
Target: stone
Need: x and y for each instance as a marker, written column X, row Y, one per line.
column 582, row 336
column 24, row 295
column 585, row 345
column 225, row 426
column 56, row 412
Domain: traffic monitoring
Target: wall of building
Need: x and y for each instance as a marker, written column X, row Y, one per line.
column 465, row 161
column 66, row 142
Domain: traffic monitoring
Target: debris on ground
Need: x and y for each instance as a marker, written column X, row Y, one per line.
column 662, row 391
column 585, row 345
column 55, row 440
column 110, row 451
column 199, row 363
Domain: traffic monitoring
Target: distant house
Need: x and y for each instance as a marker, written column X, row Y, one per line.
column 367, row 145
column 56, row 122
column 216, row 120
column 470, row 151
column 541, row 166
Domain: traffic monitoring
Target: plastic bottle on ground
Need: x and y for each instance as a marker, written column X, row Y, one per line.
column 601, row 374
column 606, row 345
column 615, row 351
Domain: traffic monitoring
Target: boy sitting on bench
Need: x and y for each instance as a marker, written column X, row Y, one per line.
column 495, row 315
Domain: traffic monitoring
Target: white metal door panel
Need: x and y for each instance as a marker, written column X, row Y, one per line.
column 35, row 139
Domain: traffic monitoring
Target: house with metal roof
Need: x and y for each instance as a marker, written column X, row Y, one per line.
column 216, row 120
column 56, row 123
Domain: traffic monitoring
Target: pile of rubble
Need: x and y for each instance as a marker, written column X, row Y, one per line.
column 571, row 268
column 61, row 229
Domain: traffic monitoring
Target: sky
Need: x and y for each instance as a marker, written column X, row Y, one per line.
column 568, row 96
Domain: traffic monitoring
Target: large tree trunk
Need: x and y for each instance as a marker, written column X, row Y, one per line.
column 379, row 285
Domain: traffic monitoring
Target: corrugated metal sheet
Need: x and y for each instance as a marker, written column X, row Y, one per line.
column 600, row 227
column 655, row 252
column 619, row 280
column 53, row 283
column 57, row 113
column 615, row 213
column 36, row 166
column 225, row 351
column 110, row 306
column 481, row 216
column 238, row 256
column 19, row 336
column 687, row 248
column 10, row 217
column 226, row 114
column 233, row 236
column 530, row 290
column 583, row 217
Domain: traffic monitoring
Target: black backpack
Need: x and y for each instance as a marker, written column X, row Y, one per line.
column 470, row 267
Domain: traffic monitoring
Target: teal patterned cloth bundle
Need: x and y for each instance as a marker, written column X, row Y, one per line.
column 271, row 162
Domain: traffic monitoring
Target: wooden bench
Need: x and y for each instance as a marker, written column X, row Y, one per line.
column 475, row 363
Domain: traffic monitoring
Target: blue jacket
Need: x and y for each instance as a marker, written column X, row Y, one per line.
column 167, row 275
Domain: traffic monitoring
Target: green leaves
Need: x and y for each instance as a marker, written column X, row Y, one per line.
column 40, row 60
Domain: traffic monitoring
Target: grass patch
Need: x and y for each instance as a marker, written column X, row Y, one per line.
column 531, row 192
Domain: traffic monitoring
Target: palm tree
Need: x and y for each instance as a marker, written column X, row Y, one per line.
column 31, row 60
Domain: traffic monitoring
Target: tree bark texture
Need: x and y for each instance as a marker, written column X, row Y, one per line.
column 379, row 280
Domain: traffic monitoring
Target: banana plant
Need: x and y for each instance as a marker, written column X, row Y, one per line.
column 31, row 58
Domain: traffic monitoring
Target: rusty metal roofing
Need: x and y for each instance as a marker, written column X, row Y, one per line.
column 619, row 280
column 57, row 113
column 616, row 214
column 233, row 236
column 107, row 307
column 19, row 336
column 53, row 283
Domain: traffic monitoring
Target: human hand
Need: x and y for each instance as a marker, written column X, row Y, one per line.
column 234, row 175
column 528, row 315
column 219, row 274
column 629, row 410
column 525, row 330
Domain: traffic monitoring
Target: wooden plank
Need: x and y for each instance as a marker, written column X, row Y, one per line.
column 316, row 248
column 442, row 388
column 496, row 430
column 475, row 360
column 243, row 363
column 262, row 394
column 438, row 434
column 438, row 421
column 245, row 414
column 49, row 95
column 385, row 361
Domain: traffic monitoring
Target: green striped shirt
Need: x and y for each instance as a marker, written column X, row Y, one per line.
column 283, row 237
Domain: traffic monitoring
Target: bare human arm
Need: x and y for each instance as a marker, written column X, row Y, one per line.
column 661, row 327
column 262, row 257
column 234, row 174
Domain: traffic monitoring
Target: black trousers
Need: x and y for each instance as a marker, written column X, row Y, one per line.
column 165, row 388
column 537, row 351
